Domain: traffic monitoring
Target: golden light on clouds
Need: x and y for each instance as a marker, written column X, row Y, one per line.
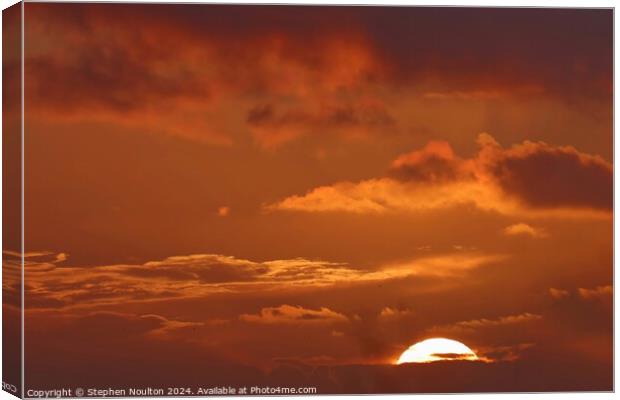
column 525, row 229
column 520, row 180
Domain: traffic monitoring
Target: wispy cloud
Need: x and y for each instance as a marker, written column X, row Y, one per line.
column 474, row 324
column 286, row 314
column 51, row 285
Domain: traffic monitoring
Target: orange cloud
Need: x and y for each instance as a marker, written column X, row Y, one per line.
column 470, row 326
column 12, row 279
column 603, row 292
column 532, row 178
column 506, row 320
column 268, row 72
column 286, row 314
column 434, row 163
column 393, row 313
column 525, row 229
column 596, row 293
column 51, row 285
column 118, row 73
column 386, row 195
column 558, row 293
column 443, row 266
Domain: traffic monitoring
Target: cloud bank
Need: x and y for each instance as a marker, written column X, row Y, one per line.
column 526, row 179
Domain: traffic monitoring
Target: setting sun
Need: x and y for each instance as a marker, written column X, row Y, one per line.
column 437, row 349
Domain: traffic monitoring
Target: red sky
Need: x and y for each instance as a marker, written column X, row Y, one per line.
column 278, row 194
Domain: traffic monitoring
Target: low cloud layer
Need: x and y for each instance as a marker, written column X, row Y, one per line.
column 51, row 284
column 475, row 324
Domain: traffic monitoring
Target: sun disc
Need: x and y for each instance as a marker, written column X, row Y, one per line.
column 437, row 349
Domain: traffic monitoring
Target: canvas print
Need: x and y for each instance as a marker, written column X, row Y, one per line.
column 212, row 199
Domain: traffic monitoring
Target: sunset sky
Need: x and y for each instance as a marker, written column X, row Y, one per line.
column 296, row 195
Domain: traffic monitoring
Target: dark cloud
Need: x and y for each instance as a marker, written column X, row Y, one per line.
column 89, row 347
column 346, row 115
column 527, row 375
column 583, row 310
column 544, row 176
column 495, row 47
column 337, row 68
column 343, row 118
column 451, row 356
column 564, row 49
column 105, row 78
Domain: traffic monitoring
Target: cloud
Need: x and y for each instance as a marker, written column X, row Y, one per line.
column 286, row 314
column 198, row 275
column 531, row 178
column 106, row 69
column 597, row 293
column 525, row 229
column 11, row 279
column 394, row 313
column 496, row 339
column 434, row 163
column 476, row 324
column 558, row 293
column 30, row 254
column 130, row 348
column 179, row 360
column 273, row 126
column 466, row 95
column 441, row 266
column 271, row 68
column 505, row 320
column 581, row 321
column 145, row 324
column 51, row 285
column 503, row 353
column 385, row 195
column 545, row 176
